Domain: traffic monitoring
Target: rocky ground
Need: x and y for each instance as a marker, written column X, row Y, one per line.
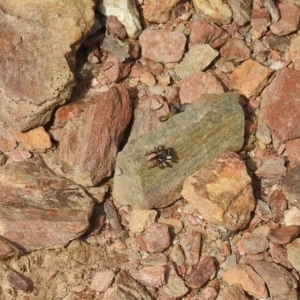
column 150, row 149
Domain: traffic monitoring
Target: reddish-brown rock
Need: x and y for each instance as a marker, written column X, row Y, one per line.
column 272, row 168
column 241, row 10
column 102, row 280
column 115, row 27
column 193, row 86
column 162, row 45
column 260, row 20
column 20, row 281
column 279, row 255
column 278, row 204
column 191, row 245
column 274, row 112
column 252, row 244
column 7, row 140
column 204, row 32
column 236, row 50
column 284, row 235
column 36, row 57
column 149, row 276
column 292, row 150
column 232, row 292
column 40, row 209
column 222, row 192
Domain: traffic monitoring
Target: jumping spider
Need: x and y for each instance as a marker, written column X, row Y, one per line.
column 160, row 156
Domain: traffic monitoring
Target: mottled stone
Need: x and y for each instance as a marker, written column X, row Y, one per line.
column 216, row 10
column 291, row 187
column 252, row 244
column 204, row 32
column 272, row 168
column 232, row 292
column 292, row 216
column 102, row 280
column 292, row 150
column 115, row 27
column 222, row 192
column 293, row 253
column 162, row 45
column 272, row 9
column 141, row 219
column 7, row 140
column 294, row 51
column 158, row 11
column 175, row 286
column 207, row 127
column 177, row 255
column 250, row 78
column 241, row 10
column 251, row 282
column 38, row 59
column 48, row 210
column 191, row 245
column 149, row 276
column 201, row 273
column 289, row 19
column 284, row 235
column 195, row 60
column 280, row 282
column 157, row 238
column 278, row 205
column 89, row 142
column 235, row 50
column 274, row 112
column 155, row 259
column 279, row 255
column 126, row 12
column 19, row 281
column 193, row 86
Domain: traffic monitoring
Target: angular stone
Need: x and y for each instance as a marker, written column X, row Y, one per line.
column 115, row 27
column 158, row 11
column 126, row 287
column 272, row 168
column 215, row 122
column 149, row 276
column 162, row 45
column 292, row 216
column 17, row 155
column 141, row 219
column 284, row 235
column 291, row 187
column 89, row 142
column 7, row 140
column 280, row 282
column 175, row 286
column 102, row 280
column 235, row 50
column 193, row 86
column 31, row 86
column 232, row 292
column 274, row 112
column 289, row 19
column 294, row 50
column 250, row 78
column 222, row 192
column 126, row 12
column 204, row 32
column 196, row 60
column 293, row 253
column 175, row 226
column 252, row 244
column 251, row 282
column 20, row 281
column 216, row 10
column 201, row 273
column 155, row 259
column 292, row 150
column 279, row 255
column 177, row 255
column 36, row 139
column 278, row 205
column 260, row 20
column 47, row 210
column 157, row 238
column 191, row 245
column 241, row 10
column 272, row 9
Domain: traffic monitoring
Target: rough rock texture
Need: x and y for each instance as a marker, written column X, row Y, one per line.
column 222, row 192
column 274, row 112
column 90, row 141
column 162, row 45
column 241, row 10
column 48, row 210
column 126, row 12
column 36, row 57
column 212, row 125
column 291, row 187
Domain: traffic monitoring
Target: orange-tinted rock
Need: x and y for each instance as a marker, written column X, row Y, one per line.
column 7, row 140
column 222, row 192
column 193, row 86
column 295, row 51
column 250, row 78
column 292, row 150
column 278, row 204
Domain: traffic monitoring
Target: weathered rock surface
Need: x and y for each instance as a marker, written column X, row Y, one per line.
column 293, row 251
column 206, row 129
column 162, row 45
column 126, row 12
column 241, row 10
column 222, row 192
column 232, row 292
column 274, row 112
column 40, row 209
column 37, row 57
column 89, row 142
column 291, row 187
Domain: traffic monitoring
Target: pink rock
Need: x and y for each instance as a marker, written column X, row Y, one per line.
column 149, row 276
column 279, row 255
column 162, row 46
column 204, row 32
column 272, row 168
column 293, row 151
column 89, row 142
column 289, row 19
column 115, row 27
column 274, row 112
column 252, row 244
column 250, row 78
column 193, row 86
column 18, row 155
column 191, row 245
column 260, row 20
column 284, row 235
column 236, row 50
column 158, row 11
column 295, row 51
column 47, row 210
column 278, row 204
column 102, row 280
column 157, row 238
